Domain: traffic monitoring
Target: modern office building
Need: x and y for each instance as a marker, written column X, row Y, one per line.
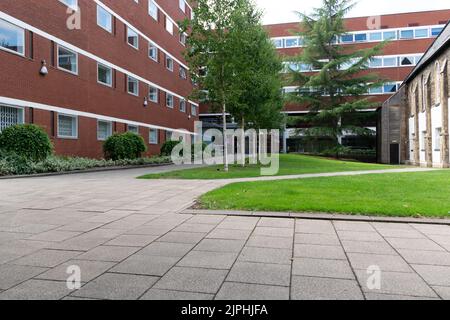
column 84, row 69
column 410, row 35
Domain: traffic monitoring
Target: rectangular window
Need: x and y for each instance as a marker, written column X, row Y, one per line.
column 153, row 9
column 423, row 142
column 361, row 37
column 376, row 90
column 193, row 110
column 183, row 38
column 153, row 94
column 347, row 38
column 133, row 86
column 153, row 136
column 12, row 38
column 67, row 60
column 390, row 35
column 169, row 100
column 278, row 43
column 153, row 52
column 390, row 88
column 104, row 75
column 375, row 36
column 182, row 105
column 406, row 34
column 169, row 63
column 169, row 135
column 104, row 130
column 169, row 26
column 182, row 5
column 436, row 31
column 72, row 4
column 67, row 126
column 183, row 73
column 291, row 42
column 437, row 139
column 10, row 116
column 390, row 62
column 104, row 19
column 376, row 62
column 132, row 38
column 421, row 33
column 133, row 129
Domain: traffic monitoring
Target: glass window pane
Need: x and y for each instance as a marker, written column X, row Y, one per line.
column 152, row 9
column 436, row 31
column 67, row 60
column 291, row 42
column 390, row 62
column 421, row 33
column 104, row 75
column 133, row 38
column 361, row 37
column 376, row 62
column 376, row 90
column 278, row 43
column 104, row 19
column 347, row 38
column 407, row 61
column 390, row 88
column 67, row 126
column 12, row 37
column 389, row 35
column 10, row 116
column 376, row 36
column 406, row 34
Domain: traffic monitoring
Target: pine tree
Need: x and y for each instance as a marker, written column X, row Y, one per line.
column 336, row 86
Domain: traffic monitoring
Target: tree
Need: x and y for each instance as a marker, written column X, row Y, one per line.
column 337, row 89
column 232, row 62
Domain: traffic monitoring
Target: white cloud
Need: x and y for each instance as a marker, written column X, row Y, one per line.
column 278, row 11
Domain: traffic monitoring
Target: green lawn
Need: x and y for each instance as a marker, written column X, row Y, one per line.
column 395, row 194
column 289, row 164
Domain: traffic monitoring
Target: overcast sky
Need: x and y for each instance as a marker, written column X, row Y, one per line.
column 277, row 11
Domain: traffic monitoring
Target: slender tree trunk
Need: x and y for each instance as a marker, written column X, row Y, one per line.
column 243, row 142
column 225, row 140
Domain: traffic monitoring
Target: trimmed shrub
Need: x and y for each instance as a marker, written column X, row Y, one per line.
column 26, row 140
column 124, row 146
column 167, row 147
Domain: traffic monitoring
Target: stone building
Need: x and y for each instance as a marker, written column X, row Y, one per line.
column 415, row 121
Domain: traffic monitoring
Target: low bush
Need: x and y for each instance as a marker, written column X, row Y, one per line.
column 26, row 140
column 124, row 146
column 167, row 148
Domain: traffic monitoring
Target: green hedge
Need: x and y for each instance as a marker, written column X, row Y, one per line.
column 26, row 140
column 124, row 146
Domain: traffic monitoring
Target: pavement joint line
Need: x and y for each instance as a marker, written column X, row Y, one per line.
column 427, row 237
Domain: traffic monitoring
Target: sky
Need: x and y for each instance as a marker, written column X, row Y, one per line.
column 278, row 11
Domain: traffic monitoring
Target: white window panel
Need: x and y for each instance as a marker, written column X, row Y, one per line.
column 169, row 100
column 104, row 19
column 153, row 9
column 12, row 38
column 132, row 38
column 10, row 116
column 169, row 25
column 153, row 52
column 133, row 129
column 104, row 130
column 67, row 126
column 67, row 60
column 133, row 86
column 104, row 75
column 437, row 139
column 153, row 94
column 153, row 136
column 182, row 5
column 72, row 4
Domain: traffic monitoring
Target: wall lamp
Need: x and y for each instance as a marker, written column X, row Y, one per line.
column 145, row 102
column 44, row 70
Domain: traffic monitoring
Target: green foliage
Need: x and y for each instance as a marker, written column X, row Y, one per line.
column 338, row 88
column 124, row 146
column 167, row 147
column 26, row 140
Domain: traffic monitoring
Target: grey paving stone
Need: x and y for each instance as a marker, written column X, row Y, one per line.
column 230, row 234
column 149, row 230
column 312, row 288
column 368, row 247
column 384, row 262
column 429, row 229
column 192, row 227
column 89, row 270
column 276, row 223
column 400, row 283
column 439, row 258
column 314, row 226
column 322, row 268
column 319, row 251
column 414, row 244
column 46, row 258
column 81, row 226
column 406, row 234
column 245, row 291
column 207, row 219
column 34, row 228
column 192, row 280
column 269, row 242
column 359, row 236
column 11, row 275
column 108, row 253
column 80, row 243
column 353, row 226
column 381, row 296
column 182, row 237
column 36, row 290
column 54, row 235
column 443, row 292
column 266, row 255
column 131, row 240
column 208, row 259
column 167, row 249
column 434, row 275
column 157, row 294
column 220, row 245
column 146, row 265
column 274, row 232
column 237, row 225
column 260, row 273
column 113, row 286
column 323, row 239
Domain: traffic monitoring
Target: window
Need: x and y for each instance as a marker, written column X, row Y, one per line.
column 436, row 31
column 10, row 116
column 73, row 4
column 421, row 33
column 12, row 38
column 133, row 86
column 182, row 105
column 423, row 141
column 169, row 135
column 169, row 63
column 67, row 60
column 104, row 19
column 437, row 139
column 182, row 5
column 183, row 73
column 104, row 75
column 104, row 130
column 153, row 136
column 291, row 42
column 376, row 36
column 346, row 38
column 169, row 25
column 361, row 37
column 376, row 62
column 132, row 38
column 133, row 129
column 67, row 126
column 153, row 9
column 153, row 52
column 406, row 34
column 407, row 61
column 390, row 62
column 153, row 94
column 278, row 43
column 183, row 38
column 376, row 90
column 169, row 100
column 390, row 35
column 390, row 88
column 193, row 110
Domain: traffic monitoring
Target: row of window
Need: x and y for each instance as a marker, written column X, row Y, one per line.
column 375, row 62
column 368, row 36
column 387, row 88
column 67, row 125
column 436, row 140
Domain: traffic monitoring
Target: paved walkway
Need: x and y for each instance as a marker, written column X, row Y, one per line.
column 129, row 241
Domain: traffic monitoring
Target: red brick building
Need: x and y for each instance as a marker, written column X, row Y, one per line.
column 83, row 69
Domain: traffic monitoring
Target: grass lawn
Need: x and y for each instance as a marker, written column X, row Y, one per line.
column 395, row 194
column 289, row 164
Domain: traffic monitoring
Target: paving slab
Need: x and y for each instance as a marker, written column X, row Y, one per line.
column 245, row 291
column 270, row 242
column 364, row 261
column 36, row 290
column 220, row 245
column 130, row 240
column 183, row 237
column 319, row 251
column 313, row 288
column 438, row 258
column 11, row 275
column 368, row 247
column 46, row 258
column 414, row 244
column 260, row 273
column 167, row 249
column 324, row 268
column 157, row 294
column 89, row 270
column 321, row 239
column 434, row 275
column 108, row 253
column 208, row 259
column 266, row 255
column 145, row 265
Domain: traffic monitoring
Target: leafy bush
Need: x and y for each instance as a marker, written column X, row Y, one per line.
column 124, row 146
column 167, row 147
column 26, row 140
